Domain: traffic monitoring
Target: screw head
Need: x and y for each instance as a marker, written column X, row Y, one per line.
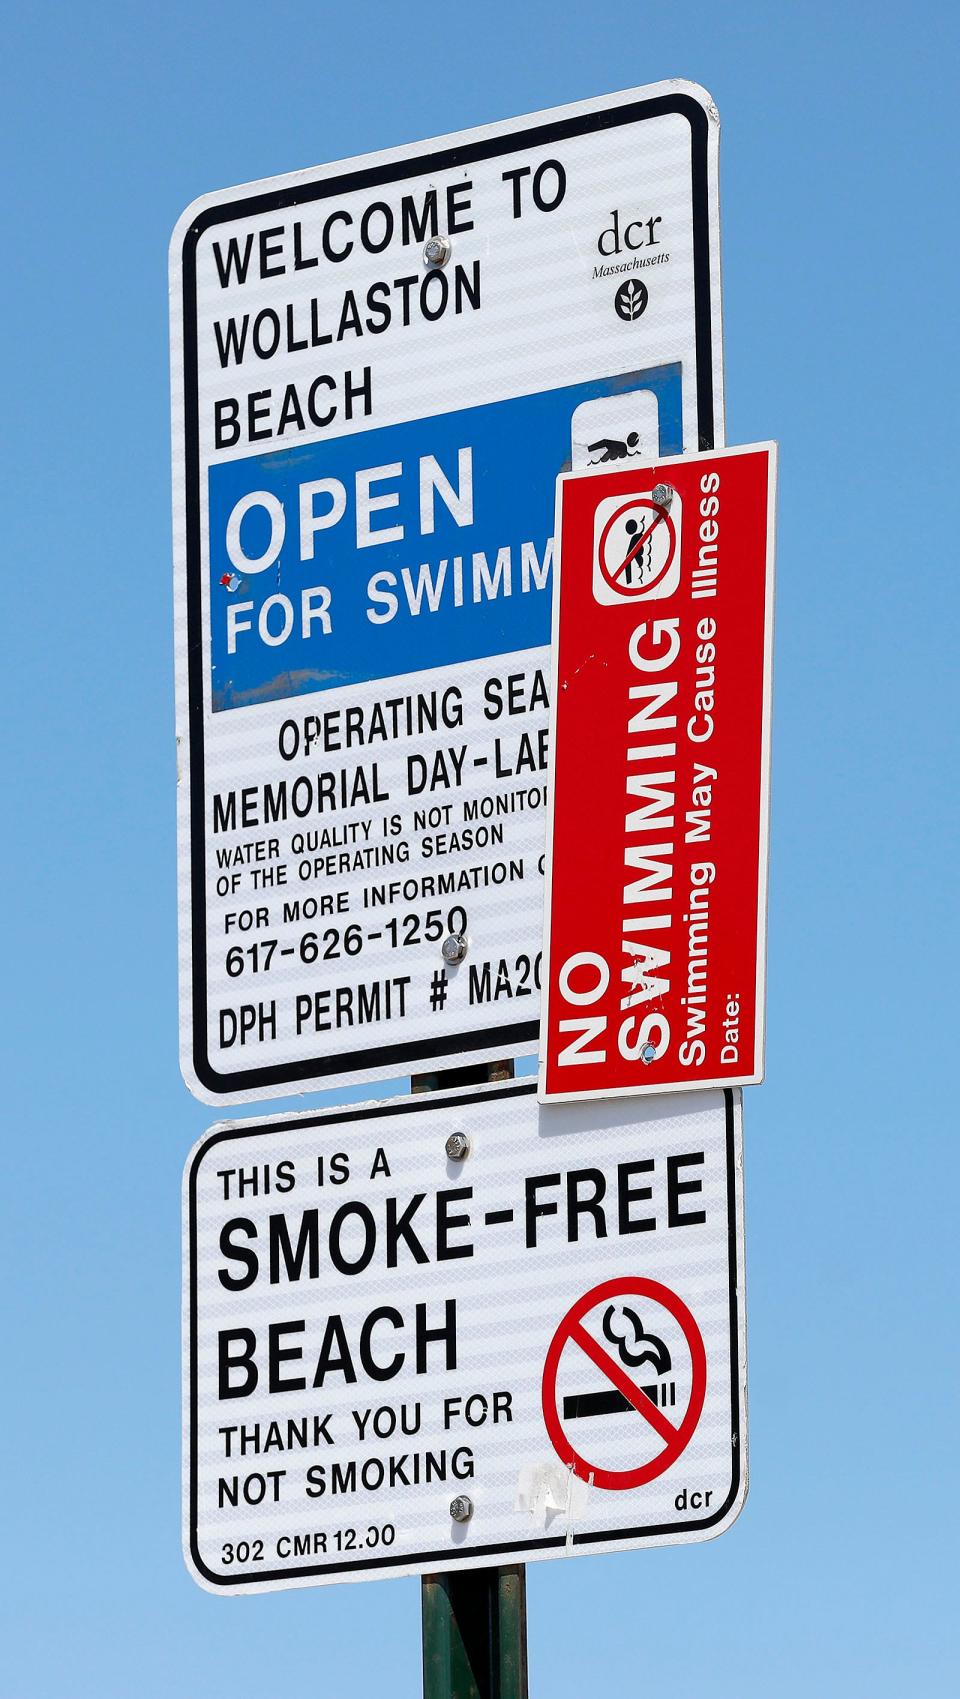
column 662, row 494
column 436, row 251
column 454, row 948
column 461, row 1508
column 457, row 1146
column 648, row 1053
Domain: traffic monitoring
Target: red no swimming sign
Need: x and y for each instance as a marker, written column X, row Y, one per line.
column 656, row 885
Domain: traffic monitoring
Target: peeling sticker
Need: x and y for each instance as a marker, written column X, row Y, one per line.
column 548, row 1489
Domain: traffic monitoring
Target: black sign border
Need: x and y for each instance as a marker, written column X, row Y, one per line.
column 449, row 1559
column 396, row 1057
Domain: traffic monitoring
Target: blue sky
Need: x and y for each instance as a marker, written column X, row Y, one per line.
column 840, row 260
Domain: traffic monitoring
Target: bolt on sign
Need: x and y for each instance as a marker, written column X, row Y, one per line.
column 660, row 752
column 460, row 1330
column 379, row 368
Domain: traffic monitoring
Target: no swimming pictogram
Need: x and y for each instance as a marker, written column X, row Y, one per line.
column 637, row 546
column 655, row 1362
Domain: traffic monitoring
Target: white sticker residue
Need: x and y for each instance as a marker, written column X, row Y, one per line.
column 548, row 1489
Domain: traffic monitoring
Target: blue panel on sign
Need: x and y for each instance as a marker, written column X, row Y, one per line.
column 399, row 549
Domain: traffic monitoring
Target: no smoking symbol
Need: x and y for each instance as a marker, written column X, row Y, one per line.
column 639, row 1414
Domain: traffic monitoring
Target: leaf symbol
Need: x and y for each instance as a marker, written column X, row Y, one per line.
column 631, row 299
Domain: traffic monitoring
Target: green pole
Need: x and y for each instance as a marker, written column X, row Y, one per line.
column 475, row 1634
column 474, row 1620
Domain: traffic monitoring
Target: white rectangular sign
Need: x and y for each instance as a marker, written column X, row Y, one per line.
column 398, row 1361
column 379, row 369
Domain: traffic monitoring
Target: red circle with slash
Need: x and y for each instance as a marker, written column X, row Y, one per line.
column 611, row 573
column 572, row 1332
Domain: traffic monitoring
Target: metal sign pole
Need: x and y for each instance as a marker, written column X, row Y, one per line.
column 474, row 1620
column 475, row 1634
